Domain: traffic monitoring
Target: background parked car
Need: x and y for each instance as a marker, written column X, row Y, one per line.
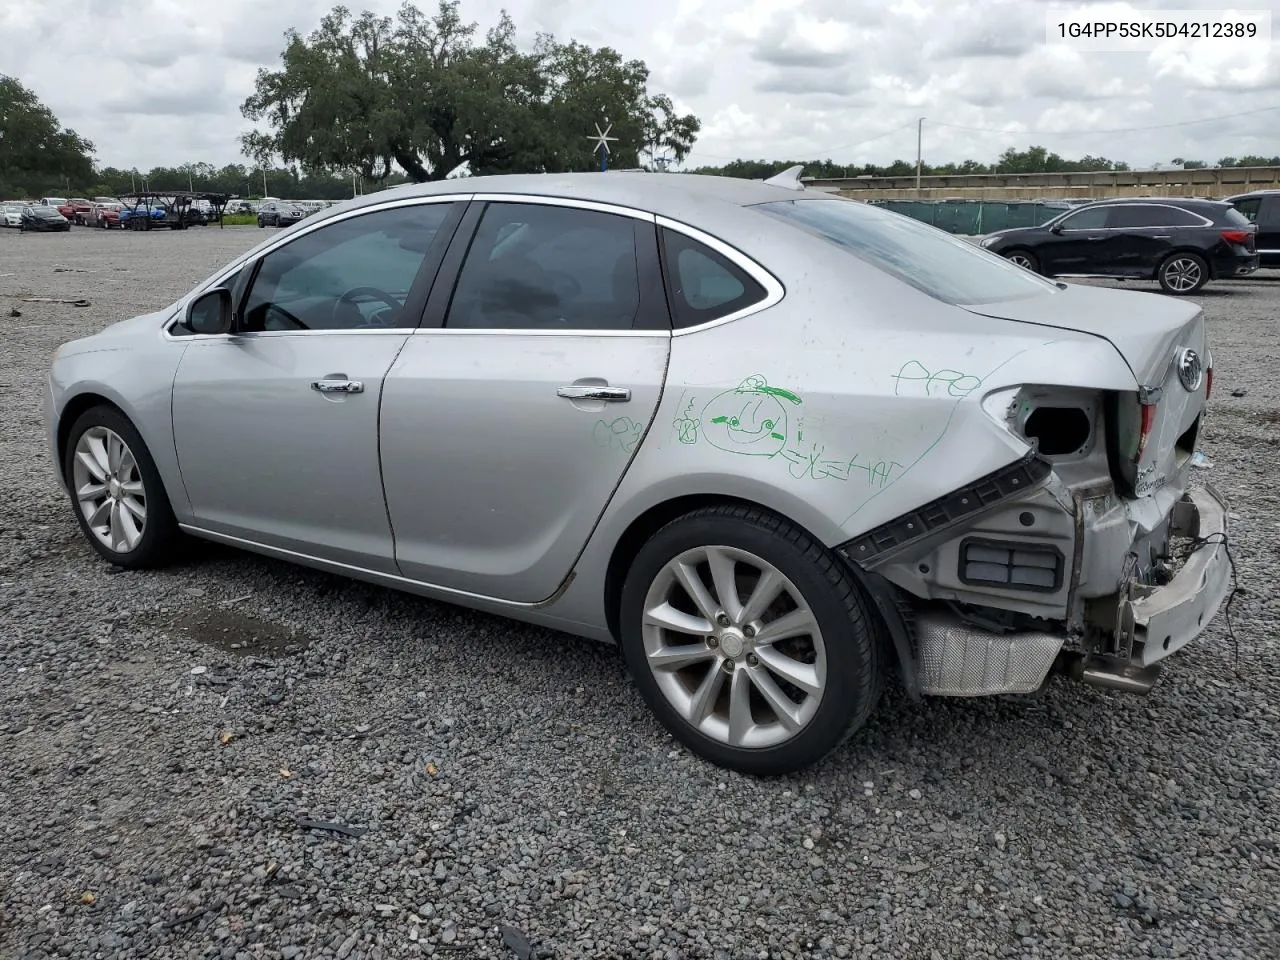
column 1181, row 243
column 105, row 214
column 76, row 210
column 11, row 214
column 1262, row 209
column 52, row 201
column 279, row 213
column 130, row 212
column 43, row 218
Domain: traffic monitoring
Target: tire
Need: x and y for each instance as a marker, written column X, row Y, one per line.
column 98, row 433
column 841, row 659
column 1025, row 259
column 1183, row 273
column 261, row 225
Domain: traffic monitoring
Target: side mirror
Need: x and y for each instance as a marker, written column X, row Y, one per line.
column 210, row 313
column 1056, row 228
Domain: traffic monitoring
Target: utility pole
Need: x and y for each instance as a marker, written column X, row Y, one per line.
column 919, row 144
column 264, row 180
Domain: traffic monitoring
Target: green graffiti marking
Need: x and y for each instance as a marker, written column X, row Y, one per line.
column 687, row 425
column 750, row 419
column 814, row 464
column 952, row 382
column 620, row 434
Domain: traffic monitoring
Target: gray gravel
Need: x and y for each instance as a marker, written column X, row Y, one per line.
column 163, row 734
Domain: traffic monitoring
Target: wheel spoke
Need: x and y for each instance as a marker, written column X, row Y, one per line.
column 134, row 488
column 704, row 698
column 797, row 623
column 123, row 529
column 766, row 591
column 740, row 722
column 678, row 657
column 90, row 460
column 91, row 491
column 802, row 675
column 115, row 450
column 133, row 507
column 101, row 515
column 128, row 465
column 781, row 705
column 688, row 578
column 670, row 618
column 722, row 575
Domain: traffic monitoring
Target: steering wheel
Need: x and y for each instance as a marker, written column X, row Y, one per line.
column 345, row 304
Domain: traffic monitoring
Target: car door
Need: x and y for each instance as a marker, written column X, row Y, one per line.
column 1140, row 235
column 1268, row 221
column 276, row 425
column 1077, row 243
column 510, row 417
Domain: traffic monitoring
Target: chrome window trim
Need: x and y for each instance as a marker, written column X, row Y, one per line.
column 1204, row 221
column 594, row 205
column 273, row 245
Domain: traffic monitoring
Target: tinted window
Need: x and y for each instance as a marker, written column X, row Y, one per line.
column 351, row 274
column 535, row 267
column 1093, row 218
column 1151, row 215
column 936, row 263
column 704, row 285
column 1249, row 208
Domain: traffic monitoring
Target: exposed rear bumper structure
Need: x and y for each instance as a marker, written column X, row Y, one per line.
column 953, row 656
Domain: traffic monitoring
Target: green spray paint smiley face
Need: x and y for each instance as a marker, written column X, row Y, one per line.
column 751, row 419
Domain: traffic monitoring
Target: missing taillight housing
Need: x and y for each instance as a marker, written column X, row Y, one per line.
column 1058, row 430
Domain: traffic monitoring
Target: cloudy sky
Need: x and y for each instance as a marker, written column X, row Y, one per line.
column 160, row 81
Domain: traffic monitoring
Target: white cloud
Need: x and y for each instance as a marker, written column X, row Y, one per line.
column 161, row 81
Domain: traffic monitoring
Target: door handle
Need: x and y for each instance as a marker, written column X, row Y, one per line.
column 1162, row 236
column 337, row 385
column 610, row 394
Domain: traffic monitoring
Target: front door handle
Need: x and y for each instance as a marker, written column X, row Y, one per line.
column 610, row 394
column 337, row 385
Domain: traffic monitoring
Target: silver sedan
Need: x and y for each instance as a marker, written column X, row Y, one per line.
column 783, row 448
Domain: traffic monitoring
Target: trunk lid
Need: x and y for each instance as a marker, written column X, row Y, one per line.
column 1153, row 430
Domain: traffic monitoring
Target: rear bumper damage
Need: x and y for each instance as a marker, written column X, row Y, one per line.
column 1115, row 638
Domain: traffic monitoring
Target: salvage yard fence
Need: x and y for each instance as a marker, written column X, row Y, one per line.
column 977, row 217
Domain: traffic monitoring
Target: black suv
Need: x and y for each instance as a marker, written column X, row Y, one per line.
column 1180, row 242
column 1262, row 208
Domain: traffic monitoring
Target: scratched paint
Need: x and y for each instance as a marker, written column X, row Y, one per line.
column 758, row 420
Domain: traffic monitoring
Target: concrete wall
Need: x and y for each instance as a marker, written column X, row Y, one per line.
column 1211, row 182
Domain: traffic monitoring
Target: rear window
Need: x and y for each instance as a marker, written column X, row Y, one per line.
column 936, row 263
column 1234, row 218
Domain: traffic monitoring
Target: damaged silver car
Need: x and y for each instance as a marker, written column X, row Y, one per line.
column 782, row 447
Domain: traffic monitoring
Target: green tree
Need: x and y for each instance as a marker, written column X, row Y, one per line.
column 427, row 95
column 36, row 152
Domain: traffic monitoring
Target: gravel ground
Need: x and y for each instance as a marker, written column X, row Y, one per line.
column 164, row 733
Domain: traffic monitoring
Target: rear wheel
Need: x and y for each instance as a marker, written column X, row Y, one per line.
column 1183, row 273
column 116, row 492
column 1025, row 259
column 751, row 643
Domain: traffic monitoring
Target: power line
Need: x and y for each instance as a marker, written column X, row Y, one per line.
column 1085, row 133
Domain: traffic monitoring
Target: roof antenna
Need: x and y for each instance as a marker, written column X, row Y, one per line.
column 788, row 178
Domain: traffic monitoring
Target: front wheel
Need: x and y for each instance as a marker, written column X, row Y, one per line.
column 1183, row 273
column 750, row 642
column 1024, row 259
column 116, row 491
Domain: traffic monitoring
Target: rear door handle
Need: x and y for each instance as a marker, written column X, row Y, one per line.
column 1163, row 236
column 337, row 385
column 610, row 394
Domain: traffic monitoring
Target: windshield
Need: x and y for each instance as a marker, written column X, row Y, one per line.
column 47, row 212
column 936, row 263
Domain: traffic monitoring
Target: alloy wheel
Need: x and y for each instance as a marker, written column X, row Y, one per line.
column 733, row 647
column 1182, row 274
column 109, row 489
column 1021, row 260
